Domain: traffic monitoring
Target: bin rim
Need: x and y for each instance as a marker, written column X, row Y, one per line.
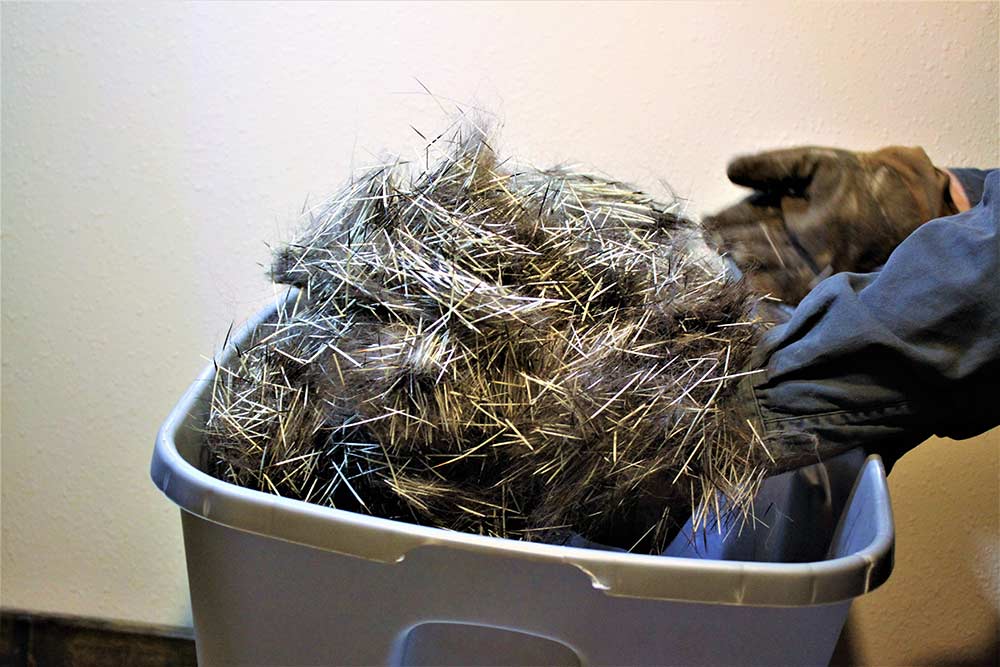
column 616, row 573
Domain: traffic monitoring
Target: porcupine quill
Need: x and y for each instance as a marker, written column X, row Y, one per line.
column 523, row 353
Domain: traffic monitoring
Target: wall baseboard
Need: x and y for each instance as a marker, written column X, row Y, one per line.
column 37, row 640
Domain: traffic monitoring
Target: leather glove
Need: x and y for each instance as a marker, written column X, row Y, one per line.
column 818, row 211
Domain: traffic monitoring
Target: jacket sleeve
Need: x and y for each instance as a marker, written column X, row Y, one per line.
column 886, row 359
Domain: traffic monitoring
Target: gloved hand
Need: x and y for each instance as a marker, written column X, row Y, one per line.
column 819, row 211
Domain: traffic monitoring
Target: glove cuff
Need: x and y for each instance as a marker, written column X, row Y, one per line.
column 929, row 187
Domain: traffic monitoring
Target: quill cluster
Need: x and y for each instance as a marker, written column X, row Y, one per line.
column 523, row 353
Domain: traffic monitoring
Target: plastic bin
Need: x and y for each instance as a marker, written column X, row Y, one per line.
column 281, row 582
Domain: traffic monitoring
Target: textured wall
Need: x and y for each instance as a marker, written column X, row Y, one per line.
column 148, row 151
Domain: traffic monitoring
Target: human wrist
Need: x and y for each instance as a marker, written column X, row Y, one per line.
column 958, row 195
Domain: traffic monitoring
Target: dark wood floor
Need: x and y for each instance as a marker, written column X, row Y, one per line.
column 30, row 640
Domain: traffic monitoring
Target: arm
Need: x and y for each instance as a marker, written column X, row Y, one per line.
column 966, row 186
column 888, row 358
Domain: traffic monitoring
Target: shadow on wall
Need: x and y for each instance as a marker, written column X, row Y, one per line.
column 941, row 606
column 850, row 654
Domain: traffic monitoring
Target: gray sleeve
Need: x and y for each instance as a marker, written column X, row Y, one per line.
column 886, row 359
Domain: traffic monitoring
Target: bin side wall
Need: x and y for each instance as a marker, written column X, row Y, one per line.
column 313, row 607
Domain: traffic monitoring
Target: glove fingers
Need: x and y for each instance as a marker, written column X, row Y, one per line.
column 786, row 169
column 752, row 209
column 768, row 249
column 788, row 283
column 732, row 226
column 752, row 232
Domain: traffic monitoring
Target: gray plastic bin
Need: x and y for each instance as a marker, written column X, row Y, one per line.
column 281, row 582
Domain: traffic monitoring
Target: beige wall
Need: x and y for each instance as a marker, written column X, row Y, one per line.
column 148, row 151
column 942, row 604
